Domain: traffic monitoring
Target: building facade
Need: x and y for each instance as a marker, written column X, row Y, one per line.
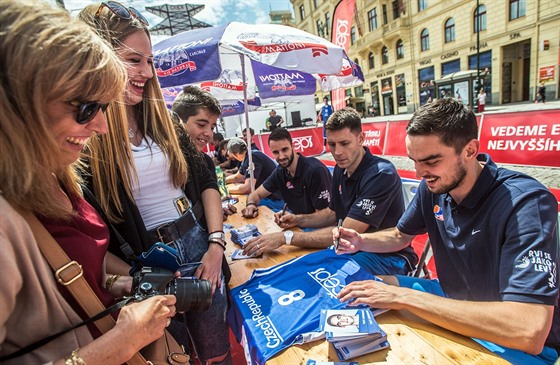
column 412, row 51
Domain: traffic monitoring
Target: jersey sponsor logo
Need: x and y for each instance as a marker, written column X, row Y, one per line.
column 325, row 195
column 328, row 281
column 367, row 205
column 264, row 323
column 438, row 212
column 475, row 232
column 539, row 261
column 289, row 185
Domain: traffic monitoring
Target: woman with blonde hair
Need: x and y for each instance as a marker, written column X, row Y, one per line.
column 150, row 180
column 56, row 78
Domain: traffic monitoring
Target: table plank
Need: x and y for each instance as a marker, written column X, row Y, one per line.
column 413, row 340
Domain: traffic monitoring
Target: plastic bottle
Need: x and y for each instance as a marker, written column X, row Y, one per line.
column 221, row 177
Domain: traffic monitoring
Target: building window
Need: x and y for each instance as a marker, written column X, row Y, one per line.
column 385, row 20
column 327, row 22
column 352, row 35
column 425, row 40
column 372, row 19
column 384, row 55
column 371, row 61
column 450, row 67
column 359, row 91
column 314, row 4
column 449, row 30
column 348, row 92
column 516, row 9
column 302, row 12
column 422, row 5
column 396, row 12
column 400, row 50
column 480, row 18
column 320, row 32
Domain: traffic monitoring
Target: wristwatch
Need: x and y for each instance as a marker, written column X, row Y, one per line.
column 288, row 236
column 217, row 235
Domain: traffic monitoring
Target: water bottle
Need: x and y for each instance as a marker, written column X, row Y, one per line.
column 221, row 180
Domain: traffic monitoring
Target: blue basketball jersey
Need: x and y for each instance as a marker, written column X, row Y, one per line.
column 281, row 305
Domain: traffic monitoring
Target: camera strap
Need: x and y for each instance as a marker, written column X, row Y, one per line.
column 69, row 273
column 50, row 338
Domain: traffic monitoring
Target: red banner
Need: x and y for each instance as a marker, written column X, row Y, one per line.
column 396, row 135
column 375, row 137
column 341, row 27
column 307, row 141
column 528, row 138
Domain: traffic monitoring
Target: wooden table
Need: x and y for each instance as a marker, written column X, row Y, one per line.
column 413, row 340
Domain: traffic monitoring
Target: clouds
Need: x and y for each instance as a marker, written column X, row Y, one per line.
column 216, row 12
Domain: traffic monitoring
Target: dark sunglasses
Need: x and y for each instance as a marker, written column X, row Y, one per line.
column 122, row 11
column 87, row 111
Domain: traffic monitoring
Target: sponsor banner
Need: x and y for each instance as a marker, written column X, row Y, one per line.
column 396, row 135
column 307, row 141
column 273, row 82
column 342, row 23
column 189, row 57
column 375, row 136
column 238, row 107
column 528, row 138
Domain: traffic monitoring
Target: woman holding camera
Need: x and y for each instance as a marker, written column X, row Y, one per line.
column 150, row 180
column 56, row 76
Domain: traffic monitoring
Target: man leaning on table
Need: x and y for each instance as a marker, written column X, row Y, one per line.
column 304, row 182
column 495, row 240
column 366, row 194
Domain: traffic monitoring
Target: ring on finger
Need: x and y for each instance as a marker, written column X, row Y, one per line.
column 258, row 247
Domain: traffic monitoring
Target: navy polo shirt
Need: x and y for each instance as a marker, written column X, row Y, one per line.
column 305, row 192
column 499, row 244
column 372, row 194
column 264, row 167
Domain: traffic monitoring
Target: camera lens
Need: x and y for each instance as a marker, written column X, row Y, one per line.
column 191, row 294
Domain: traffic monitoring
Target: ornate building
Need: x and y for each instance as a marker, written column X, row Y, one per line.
column 412, row 51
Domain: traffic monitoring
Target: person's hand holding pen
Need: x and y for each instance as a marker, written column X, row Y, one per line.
column 346, row 240
column 285, row 219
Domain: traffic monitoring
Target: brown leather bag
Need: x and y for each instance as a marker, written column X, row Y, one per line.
column 163, row 351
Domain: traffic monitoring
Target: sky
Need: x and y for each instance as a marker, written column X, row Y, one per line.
column 216, row 12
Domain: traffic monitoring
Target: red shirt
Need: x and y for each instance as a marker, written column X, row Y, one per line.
column 85, row 239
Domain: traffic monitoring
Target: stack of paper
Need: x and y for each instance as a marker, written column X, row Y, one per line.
column 243, row 234
column 353, row 332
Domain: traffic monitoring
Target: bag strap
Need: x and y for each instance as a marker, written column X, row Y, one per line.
column 70, row 274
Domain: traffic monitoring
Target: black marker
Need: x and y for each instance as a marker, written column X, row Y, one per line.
column 284, row 210
column 337, row 241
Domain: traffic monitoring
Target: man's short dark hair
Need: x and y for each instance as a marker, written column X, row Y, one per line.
column 280, row 134
column 218, row 137
column 450, row 120
column 326, row 98
column 250, row 130
column 191, row 99
column 344, row 118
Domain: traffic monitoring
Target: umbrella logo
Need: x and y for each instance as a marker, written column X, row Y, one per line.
column 226, row 81
column 173, row 63
column 275, row 43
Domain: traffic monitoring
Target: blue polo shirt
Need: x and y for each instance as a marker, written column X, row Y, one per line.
column 499, row 244
column 305, row 192
column 373, row 195
column 264, row 167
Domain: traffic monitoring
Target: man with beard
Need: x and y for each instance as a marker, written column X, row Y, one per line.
column 494, row 235
column 304, row 182
column 366, row 195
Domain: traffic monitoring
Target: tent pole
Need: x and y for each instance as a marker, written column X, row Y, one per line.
column 249, row 136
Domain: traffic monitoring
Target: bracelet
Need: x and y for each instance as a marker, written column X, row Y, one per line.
column 253, row 204
column 219, row 243
column 74, row 359
column 110, row 281
column 218, row 235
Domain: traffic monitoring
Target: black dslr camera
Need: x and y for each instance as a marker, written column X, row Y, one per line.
column 192, row 294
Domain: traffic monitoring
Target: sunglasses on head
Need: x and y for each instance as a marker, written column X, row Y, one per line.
column 87, row 111
column 122, row 11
